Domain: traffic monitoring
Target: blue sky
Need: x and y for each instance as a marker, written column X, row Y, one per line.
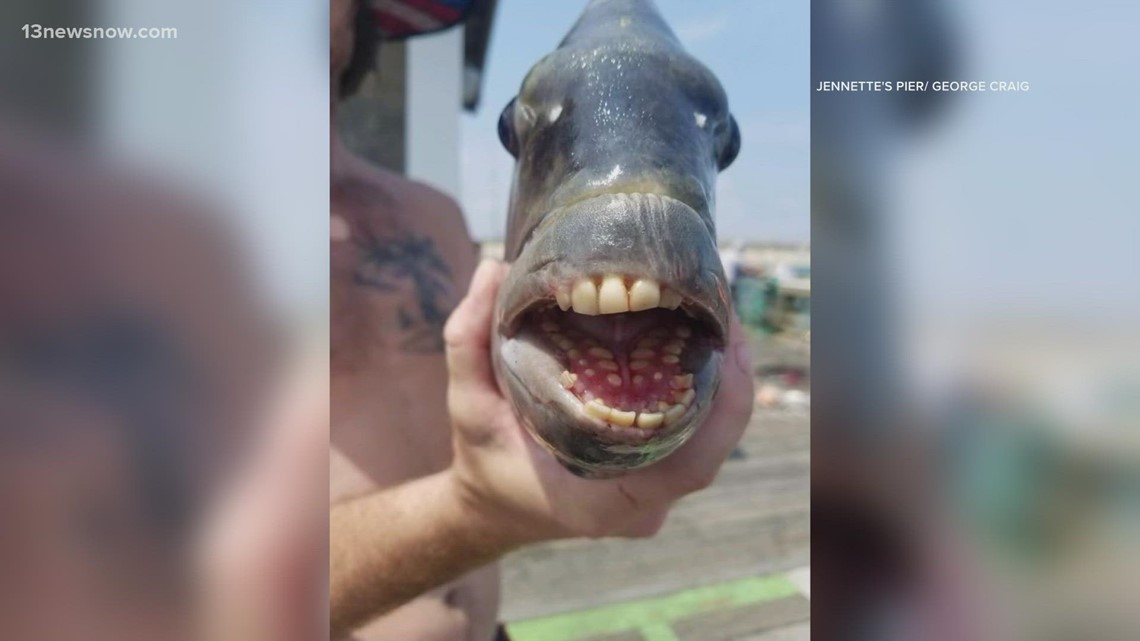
column 760, row 51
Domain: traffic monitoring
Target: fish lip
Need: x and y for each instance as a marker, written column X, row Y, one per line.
column 540, row 268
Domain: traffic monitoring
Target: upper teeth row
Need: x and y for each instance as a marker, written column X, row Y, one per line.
column 613, row 297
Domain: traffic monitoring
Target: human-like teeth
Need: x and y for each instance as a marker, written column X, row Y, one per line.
column 686, row 398
column 598, row 409
column 644, row 294
column 670, row 299
column 650, row 420
column 670, row 359
column 674, row 413
column 682, row 382
column 600, row 352
column 625, row 419
column 568, row 379
column 585, row 297
column 563, row 298
column 612, row 298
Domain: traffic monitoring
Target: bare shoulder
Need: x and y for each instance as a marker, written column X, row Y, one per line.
column 403, row 261
column 441, row 218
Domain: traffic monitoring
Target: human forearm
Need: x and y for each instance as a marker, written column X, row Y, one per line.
column 391, row 546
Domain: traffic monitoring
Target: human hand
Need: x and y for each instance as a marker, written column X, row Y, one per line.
column 503, row 474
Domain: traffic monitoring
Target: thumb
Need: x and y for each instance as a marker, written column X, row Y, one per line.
column 468, row 330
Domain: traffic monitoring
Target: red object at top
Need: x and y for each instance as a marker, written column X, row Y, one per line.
column 404, row 18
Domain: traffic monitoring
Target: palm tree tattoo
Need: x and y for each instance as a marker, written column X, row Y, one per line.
column 389, row 264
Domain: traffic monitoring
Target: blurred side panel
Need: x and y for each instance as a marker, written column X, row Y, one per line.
column 46, row 81
column 162, row 262
column 976, row 352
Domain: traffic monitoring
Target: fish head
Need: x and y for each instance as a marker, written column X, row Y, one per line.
column 613, row 318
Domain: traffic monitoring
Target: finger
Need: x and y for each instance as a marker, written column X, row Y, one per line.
column 468, row 331
column 696, row 463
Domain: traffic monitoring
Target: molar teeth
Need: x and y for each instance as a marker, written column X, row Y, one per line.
column 670, row 299
column 644, row 294
column 585, row 297
column 598, row 409
column 674, row 413
column 563, row 298
column 625, row 419
column 567, row 379
column 612, row 297
column 687, row 397
column 682, row 382
column 650, row 420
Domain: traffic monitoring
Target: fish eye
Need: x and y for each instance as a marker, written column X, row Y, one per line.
column 507, row 134
column 728, row 143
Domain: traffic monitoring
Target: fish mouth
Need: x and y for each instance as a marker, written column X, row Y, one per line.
column 612, row 354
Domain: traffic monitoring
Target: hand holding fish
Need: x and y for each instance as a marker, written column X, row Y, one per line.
column 505, row 475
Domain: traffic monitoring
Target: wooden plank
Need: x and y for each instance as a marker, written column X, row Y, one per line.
column 730, row 624
column 629, row 635
column 797, row 632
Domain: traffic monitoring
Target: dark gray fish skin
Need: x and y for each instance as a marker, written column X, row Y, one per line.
column 619, row 136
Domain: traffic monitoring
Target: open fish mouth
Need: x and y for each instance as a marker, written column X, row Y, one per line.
column 612, row 354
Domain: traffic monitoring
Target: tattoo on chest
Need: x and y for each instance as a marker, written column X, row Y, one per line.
column 410, row 262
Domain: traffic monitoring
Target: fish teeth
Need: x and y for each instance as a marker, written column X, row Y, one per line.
column 670, row 299
column 650, row 420
column 644, row 294
column 686, row 398
column 682, row 382
column 584, row 298
column 598, row 409
column 674, row 413
column 612, row 296
column 625, row 419
column 568, row 379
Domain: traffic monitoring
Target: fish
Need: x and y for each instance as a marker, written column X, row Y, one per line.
column 611, row 323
